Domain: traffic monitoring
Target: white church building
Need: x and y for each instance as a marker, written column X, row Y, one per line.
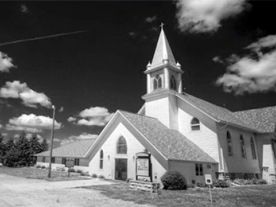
column 175, row 131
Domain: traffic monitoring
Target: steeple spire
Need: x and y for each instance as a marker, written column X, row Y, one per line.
column 163, row 53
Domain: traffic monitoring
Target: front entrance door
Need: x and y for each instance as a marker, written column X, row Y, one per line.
column 120, row 169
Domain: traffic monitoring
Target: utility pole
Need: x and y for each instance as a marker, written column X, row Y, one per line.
column 52, row 141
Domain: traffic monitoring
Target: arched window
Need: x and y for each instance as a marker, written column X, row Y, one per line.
column 173, row 83
column 157, row 82
column 195, row 124
column 229, row 143
column 253, row 149
column 243, row 151
column 121, row 146
column 101, row 159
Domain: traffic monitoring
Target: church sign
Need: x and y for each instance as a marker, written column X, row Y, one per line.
column 143, row 166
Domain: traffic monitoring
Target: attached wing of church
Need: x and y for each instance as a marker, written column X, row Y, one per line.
column 175, row 131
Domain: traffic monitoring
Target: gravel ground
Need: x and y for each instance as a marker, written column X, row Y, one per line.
column 17, row 191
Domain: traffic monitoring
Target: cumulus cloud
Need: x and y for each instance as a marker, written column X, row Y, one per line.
column 252, row 73
column 31, row 123
column 198, row 16
column 29, row 97
column 93, row 116
column 5, row 62
column 74, row 138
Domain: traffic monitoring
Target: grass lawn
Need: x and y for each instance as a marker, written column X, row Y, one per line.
column 262, row 195
column 37, row 173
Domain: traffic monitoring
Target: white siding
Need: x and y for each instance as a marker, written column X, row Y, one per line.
column 236, row 163
column 205, row 138
column 269, row 162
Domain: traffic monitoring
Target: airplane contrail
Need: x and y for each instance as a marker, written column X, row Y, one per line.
column 41, row 38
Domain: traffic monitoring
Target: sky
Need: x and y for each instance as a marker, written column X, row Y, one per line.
column 88, row 59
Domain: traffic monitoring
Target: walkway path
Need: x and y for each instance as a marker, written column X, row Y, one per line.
column 22, row 192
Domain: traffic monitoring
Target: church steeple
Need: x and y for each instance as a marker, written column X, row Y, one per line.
column 163, row 52
column 163, row 72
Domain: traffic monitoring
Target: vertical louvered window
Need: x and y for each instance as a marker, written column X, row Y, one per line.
column 43, row 159
column 101, row 159
column 121, row 146
column 157, row 82
column 229, row 144
column 173, row 83
column 53, row 160
column 63, row 160
column 243, row 150
column 195, row 124
column 253, row 149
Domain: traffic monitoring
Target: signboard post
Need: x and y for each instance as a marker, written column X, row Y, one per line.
column 70, row 164
column 209, row 182
column 143, row 166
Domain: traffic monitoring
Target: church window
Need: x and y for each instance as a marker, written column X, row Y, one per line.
column 243, row 151
column 195, row 124
column 253, row 149
column 229, row 144
column 173, row 83
column 101, row 159
column 157, row 82
column 43, row 159
column 198, row 169
column 63, row 161
column 121, row 146
column 53, row 160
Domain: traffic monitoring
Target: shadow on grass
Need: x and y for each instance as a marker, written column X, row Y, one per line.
column 253, row 196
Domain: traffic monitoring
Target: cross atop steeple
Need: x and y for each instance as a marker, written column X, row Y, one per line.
column 162, row 25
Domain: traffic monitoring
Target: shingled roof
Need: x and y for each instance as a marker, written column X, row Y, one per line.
column 76, row 149
column 171, row 143
column 262, row 119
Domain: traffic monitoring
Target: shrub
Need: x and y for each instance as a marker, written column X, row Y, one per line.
column 79, row 171
column 253, row 181
column 261, row 182
column 84, row 174
column 71, row 170
column 173, row 180
column 201, row 185
column 221, row 184
column 43, row 167
column 94, row 175
column 101, row 176
column 38, row 166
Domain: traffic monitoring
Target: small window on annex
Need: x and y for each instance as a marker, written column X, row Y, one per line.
column 121, row 146
column 243, row 151
column 63, row 161
column 157, row 82
column 229, row 143
column 198, row 169
column 101, row 159
column 253, row 149
column 173, row 83
column 77, row 161
column 195, row 124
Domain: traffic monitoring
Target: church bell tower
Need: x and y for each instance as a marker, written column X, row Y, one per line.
column 164, row 81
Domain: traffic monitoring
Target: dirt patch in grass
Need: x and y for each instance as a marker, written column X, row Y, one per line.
column 37, row 173
column 231, row 197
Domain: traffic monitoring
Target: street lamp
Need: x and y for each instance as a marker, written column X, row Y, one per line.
column 52, row 140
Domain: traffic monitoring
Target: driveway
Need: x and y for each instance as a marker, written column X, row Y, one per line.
column 17, row 191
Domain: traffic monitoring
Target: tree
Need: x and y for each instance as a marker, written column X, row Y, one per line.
column 35, row 147
column 44, row 145
column 2, row 148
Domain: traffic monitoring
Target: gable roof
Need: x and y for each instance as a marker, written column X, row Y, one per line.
column 218, row 113
column 262, row 119
column 76, row 149
column 171, row 143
